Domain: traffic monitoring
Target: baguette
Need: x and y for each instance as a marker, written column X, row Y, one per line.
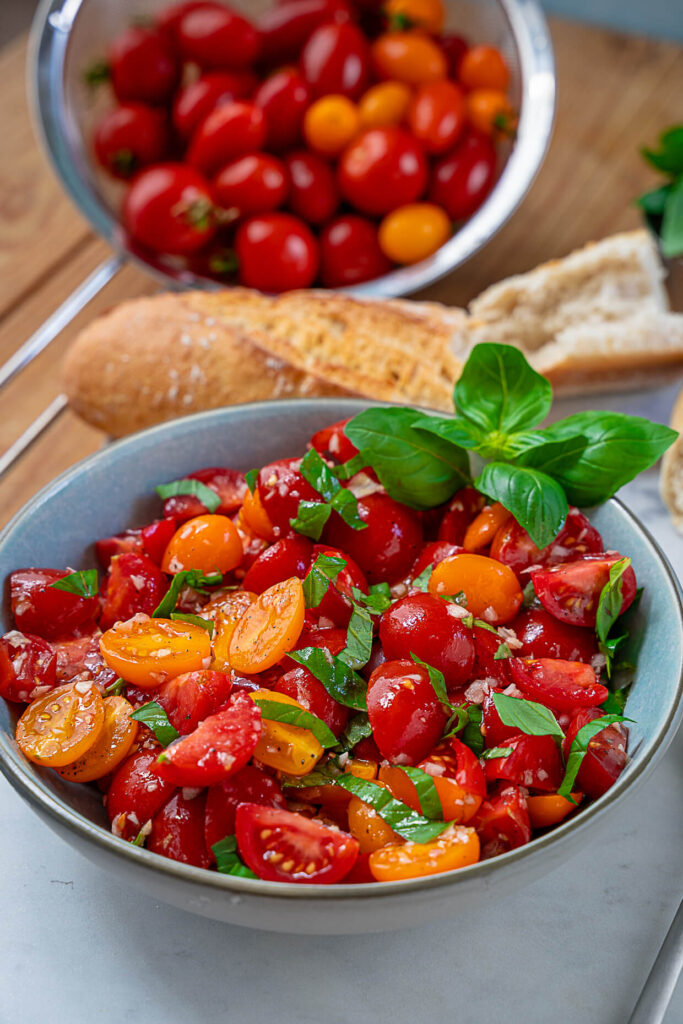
column 671, row 475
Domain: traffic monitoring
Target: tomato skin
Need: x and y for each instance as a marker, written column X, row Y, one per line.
column 491, row 589
column 155, row 538
column 414, row 232
column 503, row 822
column 308, row 691
column 462, row 508
column 534, row 762
column 27, row 664
column 250, row 785
column 52, row 614
column 219, row 746
column 458, row 778
column 135, row 584
column 331, row 640
column 253, row 183
column 284, row 98
column 168, row 19
column 290, row 556
column 142, row 66
column 405, row 714
column 484, row 67
column 454, row 49
column 313, row 192
column 281, row 487
column 129, row 137
column 190, row 698
column 427, row 15
column 117, row 544
column 178, row 831
column 229, row 131
column 463, row 179
column 606, row 756
column 544, row 636
column 571, row 591
column 229, row 485
column 168, row 208
column 350, row 252
column 382, row 169
column 311, row 852
column 495, row 732
column 513, row 546
column 333, row 443
column 209, row 543
column 486, row 644
column 194, row 101
column 285, row 28
column 437, row 116
column 490, row 112
column 409, row 57
column 432, row 554
column 384, row 104
column 336, row 59
column 136, row 793
column 421, row 624
column 276, row 252
column 458, row 847
column 386, row 549
column 216, row 37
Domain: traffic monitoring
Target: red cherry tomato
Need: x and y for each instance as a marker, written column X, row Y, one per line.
column 544, row 636
column 130, row 137
column 513, row 545
column 560, row 685
column 406, row 716
column 190, row 698
column 135, row 584
column 169, row 209
column 118, row 544
column 197, row 99
column 216, row 37
column 502, row 822
column 285, row 28
column 605, row 758
column 336, row 605
column 178, row 831
column 384, row 168
column 255, row 183
column 276, row 252
column 82, row 656
column 283, row 847
column 290, row 556
column 332, row 443
column 229, row 485
column 281, row 487
column 336, row 59
column 571, row 591
column 350, row 252
column 462, row 508
column 249, row 785
column 454, row 49
column 495, row 732
column 313, row 193
column 142, row 66
column 229, row 131
column 437, row 115
column 421, row 624
column 169, row 18
column 283, row 98
column 331, row 640
column 534, row 762
column 463, row 179
column 156, row 537
column 136, row 793
column 432, row 554
column 387, row 547
column 308, row 691
column 219, row 746
column 27, row 666
column 486, row 665
column 40, row 608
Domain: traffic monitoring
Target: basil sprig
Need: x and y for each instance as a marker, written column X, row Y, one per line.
column 608, row 611
column 312, row 515
column 291, row 714
column 208, row 497
column 403, row 819
column 338, row 678
column 187, row 578
column 155, row 718
column 228, row 860
column 579, row 749
column 83, row 583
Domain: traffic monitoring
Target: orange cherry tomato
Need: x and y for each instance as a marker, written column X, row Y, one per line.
column 371, row 831
column 147, row 652
column 60, row 727
column 491, row 112
column 287, row 748
column 111, row 746
column 458, row 804
column 361, row 769
column 384, row 104
column 484, row 527
column 269, row 627
column 424, row 14
column 484, row 67
column 550, row 809
column 457, row 847
column 491, row 588
column 330, row 124
column 413, row 232
column 255, row 517
column 226, row 615
column 208, row 543
column 408, row 57
column 437, row 115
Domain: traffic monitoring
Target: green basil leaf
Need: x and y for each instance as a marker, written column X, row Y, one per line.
column 187, row 578
column 553, row 457
column 318, row 474
column 537, row 502
column 436, row 678
column 196, row 620
column 141, row 836
column 377, row 600
column 251, row 477
column 502, row 652
column 357, row 728
column 116, row 688
column 324, row 774
column 609, row 609
column 454, row 430
column 324, row 571
column 671, row 232
column 83, row 583
column 274, row 711
column 421, row 582
column 155, row 718
column 429, row 800
column 579, row 749
column 499, row 392
column 205, row 494
column 472, row 736
column 668, row 158
column 340, row 681
column 345, row 504
column 493, row 752
column 358, row 638
column 529, row 595
column 615, row 702
column 350, row 468
column 414, row 467
column 403, row 819
column 527, row 716
column 228, row 860
column 653, row 202
column 311, row 518
column 458, row 720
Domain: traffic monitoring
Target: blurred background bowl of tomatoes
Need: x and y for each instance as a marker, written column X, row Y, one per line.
column 369, row 145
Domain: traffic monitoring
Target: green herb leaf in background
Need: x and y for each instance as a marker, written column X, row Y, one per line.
column 403, row 819
column 527, row 716
column 537, row 502
column 155, row 718
column 83, row 583
column 672, row 222
column 251, row 477
column 205, row 494
column 668, row 157
column 274, row 711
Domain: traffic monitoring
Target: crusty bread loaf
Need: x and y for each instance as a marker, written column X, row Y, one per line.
column 671, row 476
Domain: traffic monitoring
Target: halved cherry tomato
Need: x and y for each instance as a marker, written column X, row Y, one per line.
column 571, row 591
column 254, row 516
column 253, row 183
column 513, row 545
column 437, row 115
column 209, row 543
column 60, row 727
column 534, row 762
column 457, row 847
column 490, row 112
column 136, row 793
column 82, row 657
column 194, row 101
column 118, row 544
column 383, row 168
column 544, row 636
column 484, row 67
column 333, row 443
column 503, row 822
column 384, row 104
column 458, row 779
column 229, row 485
column 330, row 124
column 269, row 628
column 491, row 589
column 336, row 59
column 27, row 666
column 561, row 685
column 605, row 758
column 40, row 608
column 408, row 57
column 130, row 137
column 226, row 618
column 387, row 547
column 550, row 809
column 313, row 192
column 287, row 748
column 414, row 232
column 249, row 785
column 283, row 97
column 462, row 180
column 284, row 847
column 406, row 716
column 462, row 509
column 281, row 487
column 134, row 584
column 169, row 208
column 350, row 252
column 112, row 745
column 421, row 624
column 484, row 528
column 424, row 14
column 366, row 825
column 214, row 36
column 147, row 652
column 192, row 697
column 229, row 131
column 178, row 831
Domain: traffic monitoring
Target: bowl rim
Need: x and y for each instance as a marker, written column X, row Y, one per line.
column 22, row 774
column 531, row 35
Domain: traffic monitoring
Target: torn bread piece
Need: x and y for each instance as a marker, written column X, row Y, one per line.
column 671, row 476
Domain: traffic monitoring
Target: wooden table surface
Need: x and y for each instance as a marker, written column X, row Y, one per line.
column 616, row 92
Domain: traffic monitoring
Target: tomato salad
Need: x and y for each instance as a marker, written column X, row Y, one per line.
column 347, row 665
column 326, row 142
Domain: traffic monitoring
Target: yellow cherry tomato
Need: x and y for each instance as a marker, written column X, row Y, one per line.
column 408, row 57
column 371, row 831
column 491, row 589
column 60, row 727
column 550, row 808
column 330, row 124
column 269, row 627
column 424, row 14
column 457, row 847
column 111, row 746
column 412, row 233
column 490, row 112
column 208, row 543
column 484, row 527
column 384, row 104
column 146, row 652
column 254, row 516
column 287, row 748
column 226, row 614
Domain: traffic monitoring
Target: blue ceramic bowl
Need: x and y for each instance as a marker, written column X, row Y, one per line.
column 113, row 489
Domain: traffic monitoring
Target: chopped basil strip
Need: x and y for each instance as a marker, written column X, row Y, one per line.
column 83, row 583
column 357, row 728
column 116, row 688
column 502, row 652
column 579, row 749
column 310, row 518
column 430, row 803
column 206, row 495
column 187, row 578
column 458, row 720
column 403, row 819
column 340, row 681
column 472, row 735
column 324, row 571
column 436, row 678
column 350, row 468
column 322, row 775
column 376, row 601
column 318, row 474
column 615, row 702
column 459, row 598
column 609, row 609
column 155, row 718
column 251, row 477
column 141, row 836
column 421, row 582
column 488, row 755
column 529, row 594
column 290, row 714
column 527, row 716
column 358, row 648
column 196, row 620
column 228, row 860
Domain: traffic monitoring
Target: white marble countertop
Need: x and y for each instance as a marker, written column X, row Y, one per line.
column 576, row 946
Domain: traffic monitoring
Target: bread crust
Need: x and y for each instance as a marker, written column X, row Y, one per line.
column 671, row 475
